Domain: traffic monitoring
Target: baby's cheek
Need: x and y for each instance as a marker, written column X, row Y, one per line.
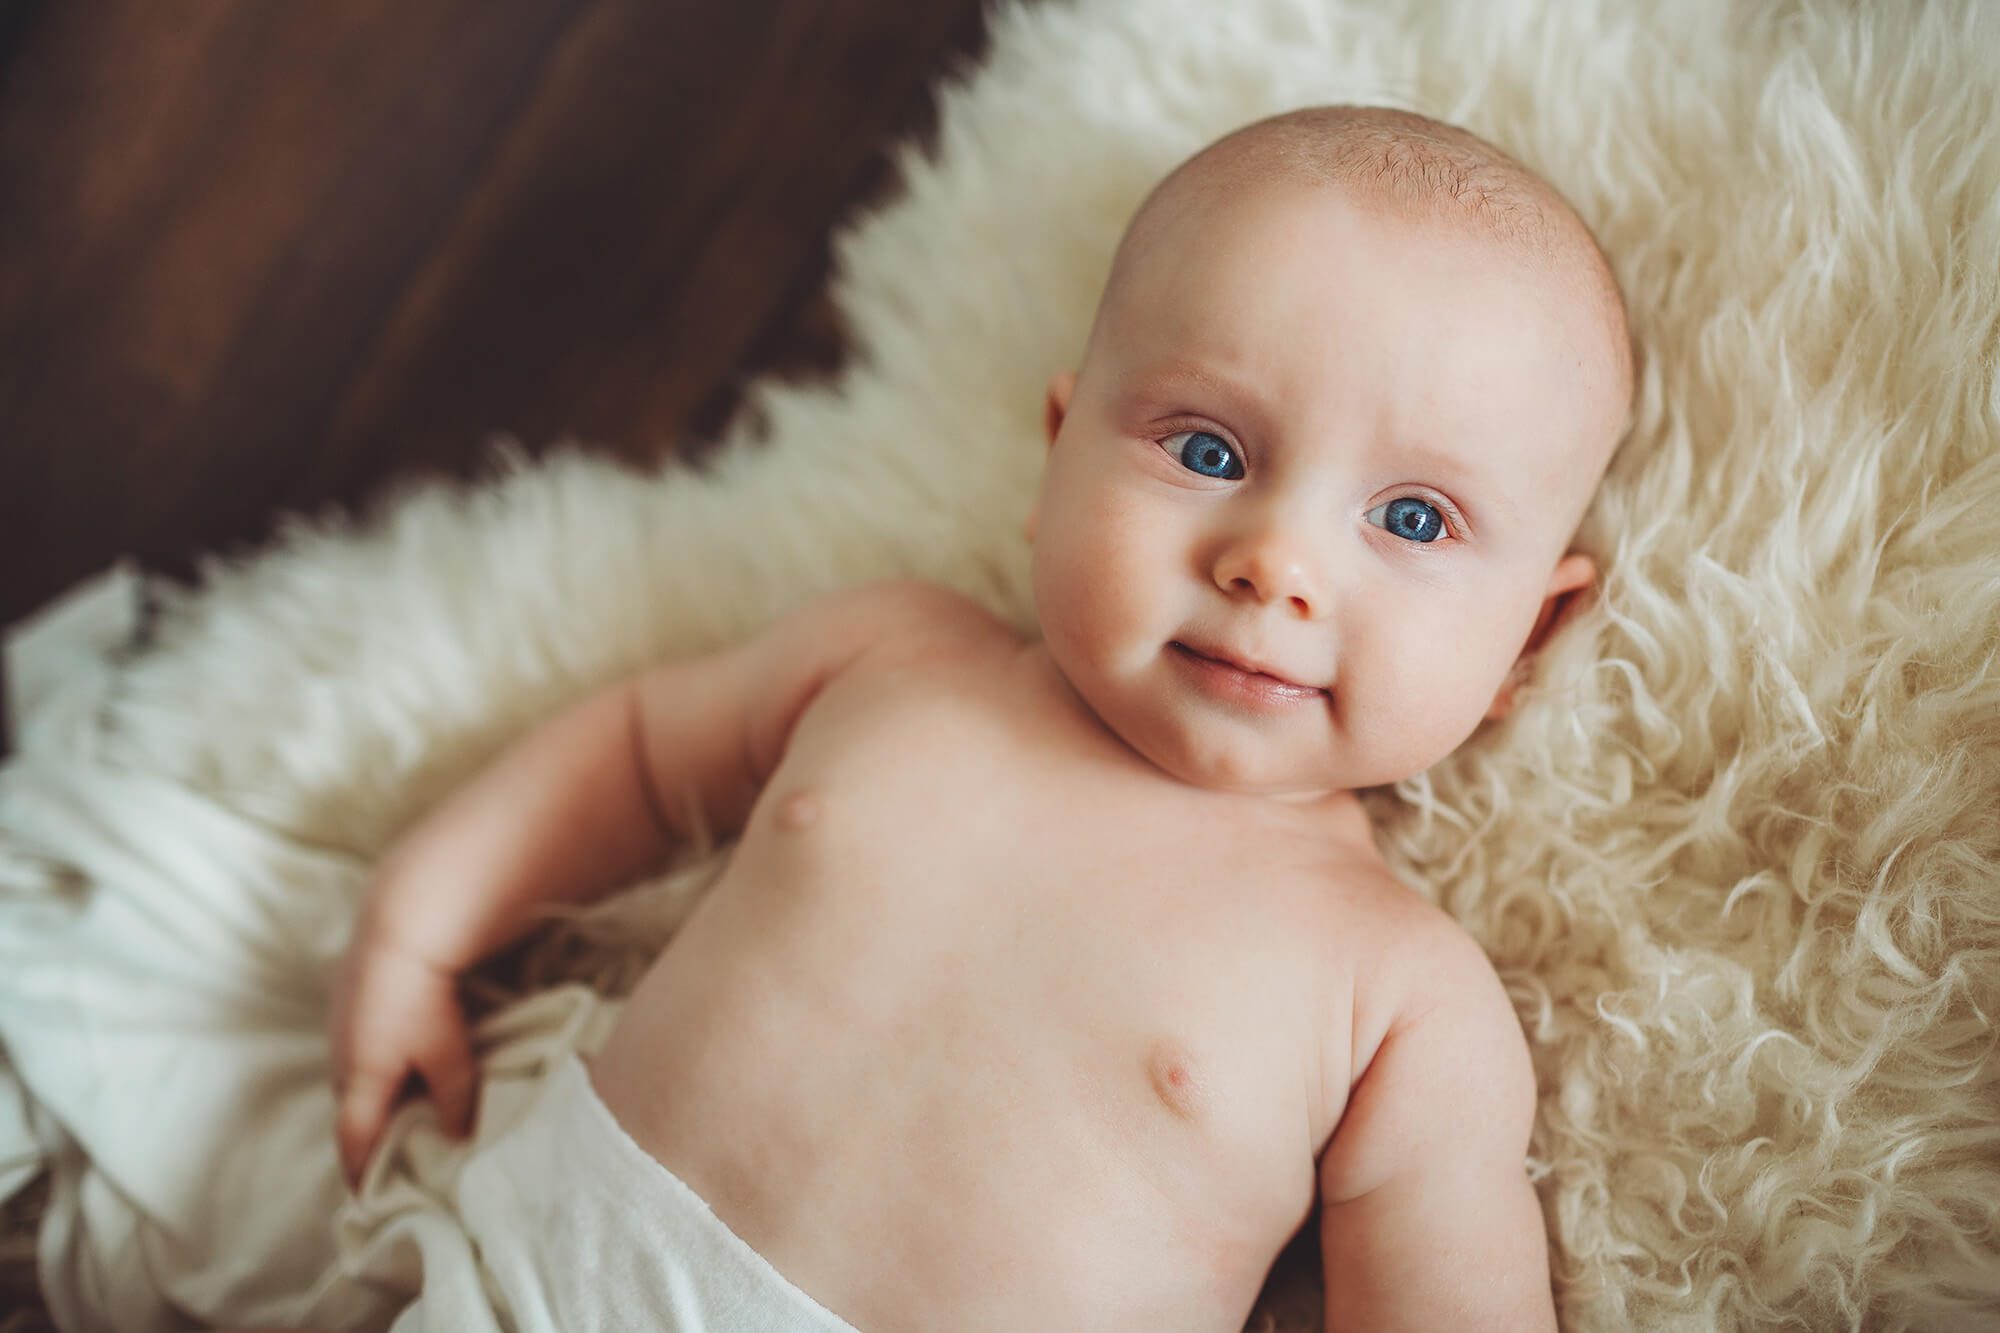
column 1462, row 691
column 1092, row 560
column 1066, row 592
column 1421, row 697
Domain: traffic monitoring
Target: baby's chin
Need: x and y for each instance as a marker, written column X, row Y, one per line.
column 1232, row 768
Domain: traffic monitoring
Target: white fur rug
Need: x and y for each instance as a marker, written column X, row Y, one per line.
column 1737, row 857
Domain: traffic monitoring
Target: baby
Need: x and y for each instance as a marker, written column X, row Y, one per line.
column 1056, row 983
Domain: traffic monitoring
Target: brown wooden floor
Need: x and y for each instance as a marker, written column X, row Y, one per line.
column 256, row 257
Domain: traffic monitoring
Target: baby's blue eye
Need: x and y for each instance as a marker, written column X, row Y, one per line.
column 1210, row 455
column 1411, row 518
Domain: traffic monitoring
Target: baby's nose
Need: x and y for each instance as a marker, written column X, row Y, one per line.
column 1272, row 567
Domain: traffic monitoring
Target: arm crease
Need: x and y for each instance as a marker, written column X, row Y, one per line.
column 636, row 730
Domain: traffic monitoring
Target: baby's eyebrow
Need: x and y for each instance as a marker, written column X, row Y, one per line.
column 1183, row 374
column 1180, row 376
column 1441, row 462
column 1476, row 494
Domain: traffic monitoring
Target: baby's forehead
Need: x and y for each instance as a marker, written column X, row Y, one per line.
column 1181, row 231
column 1192, row 229
column 1295, row 269
column 1234, row 316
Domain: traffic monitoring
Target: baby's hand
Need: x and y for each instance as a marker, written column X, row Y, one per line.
column 395, row 1014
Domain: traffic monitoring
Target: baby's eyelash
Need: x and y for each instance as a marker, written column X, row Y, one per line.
column 1454, row 524
column 1454, row 521
column 1162, row 434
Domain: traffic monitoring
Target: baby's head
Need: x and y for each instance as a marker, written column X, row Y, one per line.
column 1352, row 384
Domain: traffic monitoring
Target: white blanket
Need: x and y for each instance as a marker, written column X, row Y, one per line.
column 171, row 1020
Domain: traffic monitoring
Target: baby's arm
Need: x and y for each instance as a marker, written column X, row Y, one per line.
column 586, row 802
column 595, row 796
column 1427, row 1218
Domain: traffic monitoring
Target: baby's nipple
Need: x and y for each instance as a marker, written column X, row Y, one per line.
column 799, row 809
column 1173, row 1078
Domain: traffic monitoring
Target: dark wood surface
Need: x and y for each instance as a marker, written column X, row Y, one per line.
column 257, row 257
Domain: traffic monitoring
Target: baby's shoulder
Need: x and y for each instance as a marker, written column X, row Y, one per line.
column 1432, row 1023
column 1414, row 963
column 914, row 608
column 1406, row 932
column 889, row 641
column 913, row 620
column 878, row 620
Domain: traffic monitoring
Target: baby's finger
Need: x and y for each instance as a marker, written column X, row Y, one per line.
column 362, row 1111
column 453, row 1080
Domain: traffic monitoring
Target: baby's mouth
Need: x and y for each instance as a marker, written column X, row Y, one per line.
column 1267, row 679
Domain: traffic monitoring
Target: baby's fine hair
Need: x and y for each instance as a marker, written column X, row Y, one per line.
column 1410, row 161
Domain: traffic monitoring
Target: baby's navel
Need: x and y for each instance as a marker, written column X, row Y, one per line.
column 1173, row 1077
column 798, row 810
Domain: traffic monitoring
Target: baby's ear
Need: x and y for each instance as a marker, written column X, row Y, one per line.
column 1573, row 574
column 1061, row 385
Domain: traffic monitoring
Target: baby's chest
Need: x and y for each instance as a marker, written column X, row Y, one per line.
column 945, row 877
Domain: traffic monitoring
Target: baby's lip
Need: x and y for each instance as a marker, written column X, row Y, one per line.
column 1242, row 662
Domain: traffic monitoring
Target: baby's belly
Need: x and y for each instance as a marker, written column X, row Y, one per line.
column 930, row 1108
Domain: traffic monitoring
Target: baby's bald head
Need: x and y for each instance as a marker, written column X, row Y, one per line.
column 1407, row 163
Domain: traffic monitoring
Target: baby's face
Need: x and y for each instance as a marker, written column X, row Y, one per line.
column 1343, row 445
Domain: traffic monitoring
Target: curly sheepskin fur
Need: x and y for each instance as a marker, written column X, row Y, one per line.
column 1735, row 855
